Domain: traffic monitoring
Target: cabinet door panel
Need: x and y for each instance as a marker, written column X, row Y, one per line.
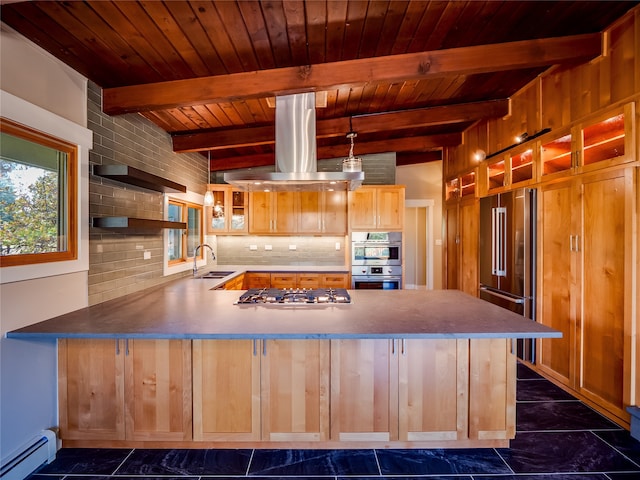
column 557, row 265
column 469, row 234
column 364, row 390
column 362, row 208
column 158, row 390
column 492, row 390
column 334, row 218
column 260, row 217
column 310, row 218
column 390, row 206
column 295, row 389
column 286, row 217
column 226, row 390
column 603, row 303
column 433, row 389
column 91, row 389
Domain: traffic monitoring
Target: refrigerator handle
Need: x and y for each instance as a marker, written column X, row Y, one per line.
column 498, row 241
column 519, row 300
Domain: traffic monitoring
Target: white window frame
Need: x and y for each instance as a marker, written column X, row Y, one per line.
column 37, row 118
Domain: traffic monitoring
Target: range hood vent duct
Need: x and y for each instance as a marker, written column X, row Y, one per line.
column 296, row 154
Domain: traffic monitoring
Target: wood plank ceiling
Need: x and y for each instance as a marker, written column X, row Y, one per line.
column 407, row 76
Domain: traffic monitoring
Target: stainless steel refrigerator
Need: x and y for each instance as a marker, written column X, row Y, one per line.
column 508, row 256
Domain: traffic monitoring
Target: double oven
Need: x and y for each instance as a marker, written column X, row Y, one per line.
column 376, row 260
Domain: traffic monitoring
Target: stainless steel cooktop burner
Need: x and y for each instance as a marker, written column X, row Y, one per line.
column 294, row 296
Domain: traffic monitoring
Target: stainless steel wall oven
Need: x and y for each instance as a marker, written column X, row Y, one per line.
column 376, row 260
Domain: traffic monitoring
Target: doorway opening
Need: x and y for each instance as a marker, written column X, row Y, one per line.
column 418, row 244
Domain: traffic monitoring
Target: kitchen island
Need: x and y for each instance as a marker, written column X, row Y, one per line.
column 181, row 365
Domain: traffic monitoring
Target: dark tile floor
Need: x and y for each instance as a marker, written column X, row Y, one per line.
column 558, row 438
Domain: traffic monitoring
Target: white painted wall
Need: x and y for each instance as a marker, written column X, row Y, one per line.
column 41, row 92
column 424, row 182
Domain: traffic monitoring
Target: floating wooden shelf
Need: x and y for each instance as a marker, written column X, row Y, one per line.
column 139, row 178
column 136, row 223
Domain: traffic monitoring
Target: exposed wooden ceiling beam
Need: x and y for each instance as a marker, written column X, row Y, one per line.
column 412, row 144
column 338, row 127
column 412, row 158
column 328, row 76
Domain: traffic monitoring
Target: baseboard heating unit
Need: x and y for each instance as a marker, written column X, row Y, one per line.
column 41, row 450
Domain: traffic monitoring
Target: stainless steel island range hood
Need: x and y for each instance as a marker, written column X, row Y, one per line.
column 296, row 157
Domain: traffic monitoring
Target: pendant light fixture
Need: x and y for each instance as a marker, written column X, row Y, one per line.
column 208, row 196
column 351, row 163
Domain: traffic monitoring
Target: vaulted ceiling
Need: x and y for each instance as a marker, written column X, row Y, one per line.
column 407, row 76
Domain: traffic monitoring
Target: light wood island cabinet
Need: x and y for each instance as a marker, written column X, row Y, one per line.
column 364, row 390
column 287, row 392
column 135, row 390
column 253, row 390
column 295, row 390
column 226, row 390
column 433, row 389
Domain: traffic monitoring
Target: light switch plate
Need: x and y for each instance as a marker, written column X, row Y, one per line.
column 147, row 255
column 292, row 247
column 253, row 247
column 337, row 245
column 268, row 247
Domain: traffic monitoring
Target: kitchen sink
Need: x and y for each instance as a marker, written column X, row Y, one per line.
column 214, row 274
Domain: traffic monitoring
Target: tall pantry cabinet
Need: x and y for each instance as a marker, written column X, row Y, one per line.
column 587, row 229
column 586, row 262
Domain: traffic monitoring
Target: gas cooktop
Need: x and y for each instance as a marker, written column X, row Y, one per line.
column 294, row 296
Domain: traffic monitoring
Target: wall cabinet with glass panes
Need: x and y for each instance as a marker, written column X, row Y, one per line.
column 598, row 142
column 521, row 166
column 497, row 174
column 228, row 213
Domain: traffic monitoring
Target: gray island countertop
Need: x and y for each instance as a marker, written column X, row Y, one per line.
column 193, row 309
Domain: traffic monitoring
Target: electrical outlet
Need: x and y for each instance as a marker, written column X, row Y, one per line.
column 147, row 255
column 268, row 247
column 253, row 247
column 292, row 247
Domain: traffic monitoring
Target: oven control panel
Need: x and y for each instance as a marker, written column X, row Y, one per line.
column 375, row 270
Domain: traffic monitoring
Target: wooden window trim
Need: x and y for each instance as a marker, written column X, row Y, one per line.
column 185, row 209
column 71, row 253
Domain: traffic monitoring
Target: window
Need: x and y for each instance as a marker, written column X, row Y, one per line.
column 182, row 243
column 38, row 197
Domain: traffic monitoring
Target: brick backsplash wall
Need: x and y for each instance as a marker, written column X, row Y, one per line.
column 116, row 263
column 309, row 251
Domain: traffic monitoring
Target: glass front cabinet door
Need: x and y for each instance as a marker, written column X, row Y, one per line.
column 608, row 139
column 228, row 213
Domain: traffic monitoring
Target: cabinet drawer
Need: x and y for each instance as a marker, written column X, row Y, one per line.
column 284, row 280
column 335, row 280
column 309, row 280
column 257, row 280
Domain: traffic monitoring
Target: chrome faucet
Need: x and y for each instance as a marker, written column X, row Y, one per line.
column 195, row 257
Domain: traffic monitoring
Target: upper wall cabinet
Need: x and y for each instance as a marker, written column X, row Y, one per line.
column 607, row 140
column 377, row 208
column 556, row 153
column 522, row 167
column 228, row 214
column 286, row 213
column 598, row 142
